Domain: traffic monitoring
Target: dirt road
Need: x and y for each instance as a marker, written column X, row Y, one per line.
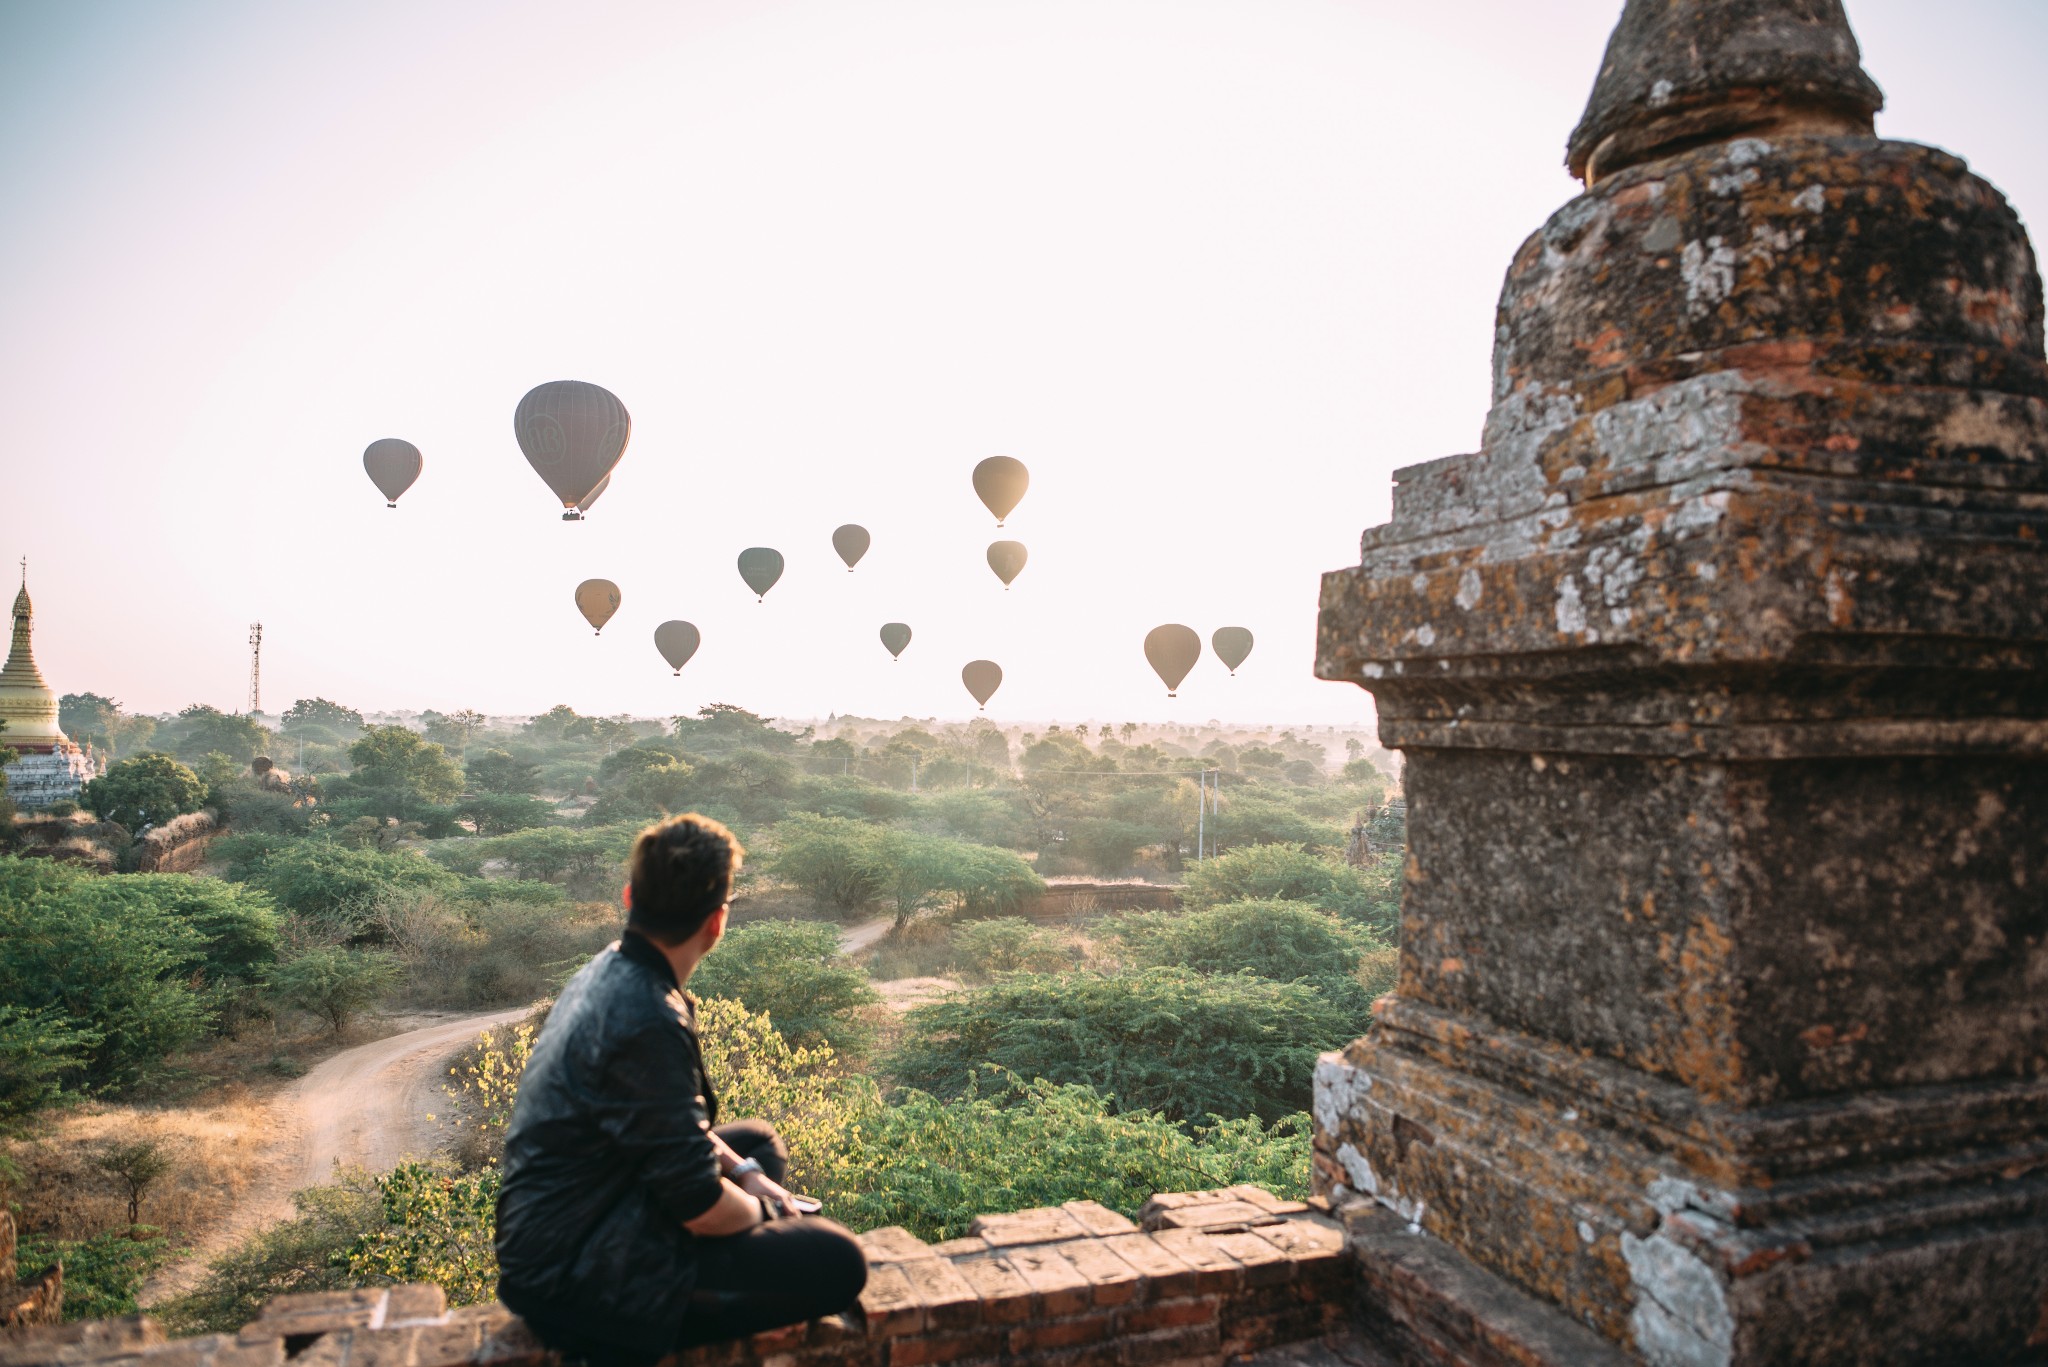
column 366, row 1107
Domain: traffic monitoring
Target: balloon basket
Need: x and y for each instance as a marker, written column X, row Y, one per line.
column 572, row 516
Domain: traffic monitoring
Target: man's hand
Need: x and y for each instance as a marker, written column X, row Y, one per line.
column 761, row 1185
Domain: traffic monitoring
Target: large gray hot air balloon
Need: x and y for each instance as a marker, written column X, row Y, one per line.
column 1007, row 559
column 851, row 541
column 597, row 600
column 1000, row 482
column 895, row 637
column 760, row 567
column 1172, row 651
column 583, row 504
column 393, row 466
column 677, row 642
column 1231, row 645
column 573, row 433
column 983, row 678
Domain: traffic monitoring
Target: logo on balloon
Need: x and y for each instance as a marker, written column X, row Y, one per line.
column 545, row 442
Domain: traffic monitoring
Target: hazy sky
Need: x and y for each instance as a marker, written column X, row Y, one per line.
column 1212, row 270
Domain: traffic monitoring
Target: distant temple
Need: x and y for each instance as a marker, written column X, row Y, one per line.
column 52, row 766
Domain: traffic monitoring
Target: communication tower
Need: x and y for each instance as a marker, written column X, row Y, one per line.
column 255, row 666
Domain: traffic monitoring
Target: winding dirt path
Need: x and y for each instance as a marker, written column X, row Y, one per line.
column 370, row 1107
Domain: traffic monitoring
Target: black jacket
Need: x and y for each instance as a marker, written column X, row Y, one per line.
column 608, row 1153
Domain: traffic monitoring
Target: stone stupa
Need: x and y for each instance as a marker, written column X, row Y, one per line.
column 52, row 767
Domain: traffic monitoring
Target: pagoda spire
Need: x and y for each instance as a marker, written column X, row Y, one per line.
column 1681, row 73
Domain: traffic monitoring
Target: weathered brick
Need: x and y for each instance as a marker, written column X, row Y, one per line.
column 382, row 1347
column 1175, row 1314
column 1213, row 1215
column 961, row 1248
column 1215, row 1269
column 890, row 1303
column 1006, row 1297
column 507, row 1342
column 893, row 1244
column 1266, row 1200
column 1097, row 1218
column 1062, row 1288
column 329, row 1350
column 1070, row 1332
column 1166, row 1276
column 1305, row 1238
column 1042, row 1226
column 1116, row 1281
column 307, row 1302
column 443, row 1345
column 950, row 1301
column 1264, row 1264
column 920, row 1349
column 415, row 1301
column 828, row 1330
column 1144, row 1350
column 234, row 1353
column 84, row 1340
column 783, row 1339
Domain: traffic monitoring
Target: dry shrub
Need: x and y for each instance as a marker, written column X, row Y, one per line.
column 1379, row 969
column 460, row 954
column 60, row 1192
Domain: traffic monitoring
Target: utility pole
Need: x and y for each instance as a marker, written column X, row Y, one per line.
column 255, row 667
column 1201, row 813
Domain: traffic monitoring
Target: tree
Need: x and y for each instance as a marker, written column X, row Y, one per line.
column 830, row 859
column 331, row 716
column 503, row 813
column 335, row 887
column 37, row 1049
column 92, row 718
column 454, row 728
column 498, row 771
column 205, row 730
column 793, row 972
column 1285, row 941
column 334, row 983
column 1283, row 872
column 145, row 791
column 721, row 727
column 398, row 773
column 591, row 858
column 1166, row 1039
column 135, row 1167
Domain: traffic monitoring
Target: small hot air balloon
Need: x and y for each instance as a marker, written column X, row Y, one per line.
column 393, row 465
column 573, row 433
column 677, row 642
column 895, row 636
column 1172, row 651
column 1231, row 645
column 583, row 506
column 597, row 600
column 1000, row 482
column 760, row 567
column 983, row 678
column 1007, row 559
column 851, row 541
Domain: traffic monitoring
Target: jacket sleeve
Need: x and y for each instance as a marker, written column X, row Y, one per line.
column 653, row 1111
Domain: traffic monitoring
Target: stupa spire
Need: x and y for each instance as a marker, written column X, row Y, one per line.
column 1679, row 73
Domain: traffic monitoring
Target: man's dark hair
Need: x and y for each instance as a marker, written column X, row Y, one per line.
column 680, row 872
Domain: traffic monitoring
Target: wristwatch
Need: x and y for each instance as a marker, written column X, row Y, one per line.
column 746, row 1167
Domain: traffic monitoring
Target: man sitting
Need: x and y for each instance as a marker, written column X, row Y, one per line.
column 630, row 1223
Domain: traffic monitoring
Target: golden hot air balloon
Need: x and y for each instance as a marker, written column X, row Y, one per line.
column 597, row 600
column 1231, row 645
column 983, row 678
column 1007, row 559
column 895, row 637
column 583, row 504
column 677, row 642
column 1172, row 651
column 851, row 541
column 392, row 465
column 1000, row 482
column 760, row 567
column 573, row 433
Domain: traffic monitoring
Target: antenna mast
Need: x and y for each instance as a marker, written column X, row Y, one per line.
column 255, row 666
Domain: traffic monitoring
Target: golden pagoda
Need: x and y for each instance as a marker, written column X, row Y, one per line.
column 51, row 767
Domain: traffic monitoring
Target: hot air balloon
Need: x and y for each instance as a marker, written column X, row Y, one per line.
column 393, row 466
column 1231, row 645
column 597, row 600
column 573, row 434
column 895, row 637
column 677, row 642
column 983, row 678
column 1007, row 559
column 1000, row 482
column 760, row 567
column 1172, row 651
column 583, row 505
column 851, row 542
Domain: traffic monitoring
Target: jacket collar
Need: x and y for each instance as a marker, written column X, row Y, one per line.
column 641, row 950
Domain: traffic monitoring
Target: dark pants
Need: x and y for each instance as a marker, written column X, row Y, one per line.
column 782, row 1272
